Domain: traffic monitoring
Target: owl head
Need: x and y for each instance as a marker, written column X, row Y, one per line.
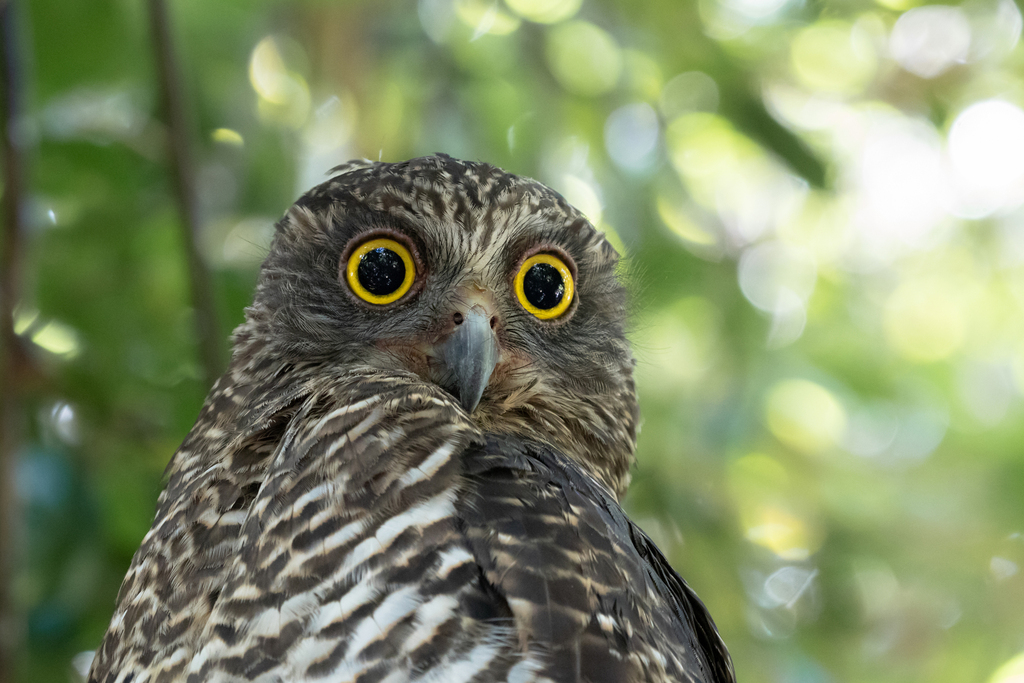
column 487, row 284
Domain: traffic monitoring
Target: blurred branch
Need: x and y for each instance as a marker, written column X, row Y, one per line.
column 10, row 270
column 179, row 150
column 743, row 103
column 750, row 116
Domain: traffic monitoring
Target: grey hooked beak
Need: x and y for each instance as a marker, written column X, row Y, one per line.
column 469, row 356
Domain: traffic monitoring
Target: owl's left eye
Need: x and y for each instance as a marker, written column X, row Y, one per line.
column 544, row 286
column 380, row 271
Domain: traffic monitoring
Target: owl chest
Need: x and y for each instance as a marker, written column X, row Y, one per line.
column 349, row 593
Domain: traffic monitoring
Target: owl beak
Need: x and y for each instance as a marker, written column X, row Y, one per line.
column 469, row 355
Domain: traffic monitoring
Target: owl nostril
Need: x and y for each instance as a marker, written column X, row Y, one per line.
column 457, row 319
column 494, row 322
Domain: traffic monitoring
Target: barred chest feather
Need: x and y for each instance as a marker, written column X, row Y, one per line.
column 365, row 530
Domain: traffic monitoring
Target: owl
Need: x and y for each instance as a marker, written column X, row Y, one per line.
column 411, row 469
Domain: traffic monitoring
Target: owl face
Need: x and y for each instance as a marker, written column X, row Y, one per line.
column 484, row 283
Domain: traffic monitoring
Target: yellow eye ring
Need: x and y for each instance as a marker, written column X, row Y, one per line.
column 380, row 271
column 542, row 288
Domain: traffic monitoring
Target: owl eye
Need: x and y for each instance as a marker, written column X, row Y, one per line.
column 380, row 271
column 544, row 286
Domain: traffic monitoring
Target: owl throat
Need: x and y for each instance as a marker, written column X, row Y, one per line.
column 596, row 428
column 594, row 421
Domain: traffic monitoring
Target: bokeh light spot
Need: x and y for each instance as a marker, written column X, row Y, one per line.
column 64, row 421
column 805, row 416
column 986, row 149
column 1003, row 568
column 899, row 5
column 729, row 174
column 267, row 72
column 674, row 214
column 631, row 136
column 755, row 10
column 643, row 74
column 24, row 318
column 929, row 40
column 1010, row 672
column 226, row 136
column 437, row 18
column 485, row 17
column 689, row 92
column 789, row 585
column 545, row 11
column 283, row 95
column 779, row 279
column 780, row 531
column 583, row 58
column 831, row 57
column 707, row 152
column 925, row 320
column 773, row 274
column 995, row 28
column 755, row 475
column 58, row 339
column 901, row 185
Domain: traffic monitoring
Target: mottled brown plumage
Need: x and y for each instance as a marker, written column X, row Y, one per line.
column 342, row 512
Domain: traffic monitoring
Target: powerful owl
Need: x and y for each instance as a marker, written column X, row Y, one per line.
column 411, row 469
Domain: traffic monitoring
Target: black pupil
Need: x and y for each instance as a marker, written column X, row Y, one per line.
column 543, row 286
column 381, row 271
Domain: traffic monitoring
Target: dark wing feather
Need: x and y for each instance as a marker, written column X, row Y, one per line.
column 689, row 609
column 591, row 595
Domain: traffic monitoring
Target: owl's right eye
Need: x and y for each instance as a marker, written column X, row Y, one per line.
column 380, row 271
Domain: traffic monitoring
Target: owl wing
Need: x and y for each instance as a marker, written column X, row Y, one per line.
column 593, row 598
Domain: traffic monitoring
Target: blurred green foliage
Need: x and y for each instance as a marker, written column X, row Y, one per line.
column 820, row 205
